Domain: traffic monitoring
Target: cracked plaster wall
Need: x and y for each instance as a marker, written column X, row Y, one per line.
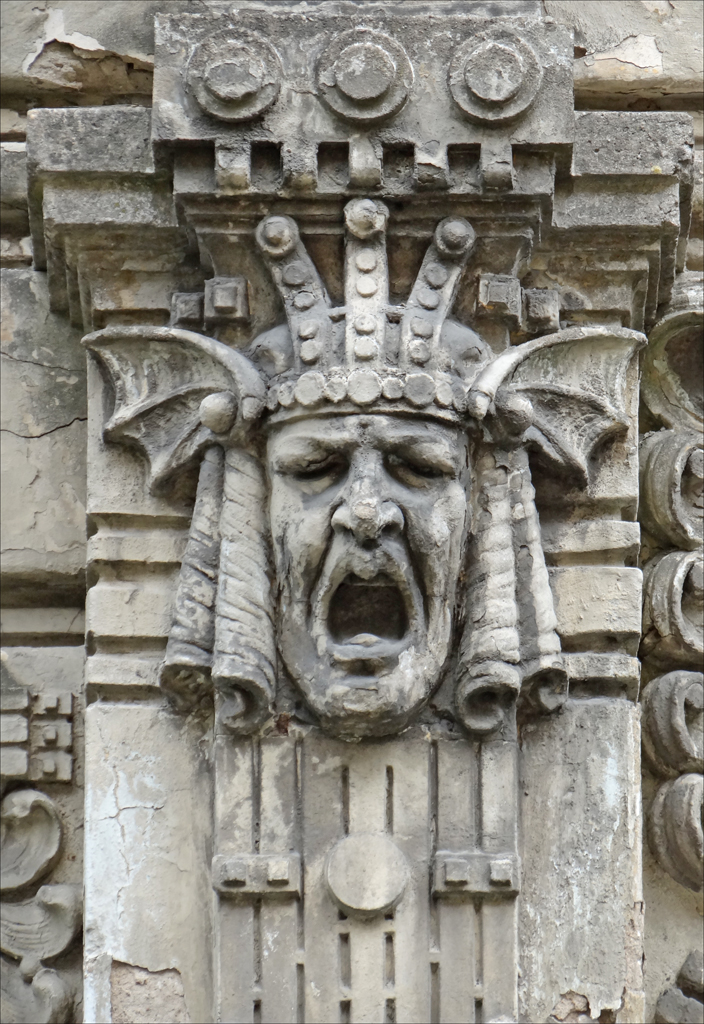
column 43, row 416
column 634, row 51
column 149, row 805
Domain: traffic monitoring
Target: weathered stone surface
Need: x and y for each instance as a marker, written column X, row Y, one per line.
column 152, row 790
column 69, row 50
column 582, row 819
column 146, row 996
column 638, row 49
column 363, row 294
column 43, row 437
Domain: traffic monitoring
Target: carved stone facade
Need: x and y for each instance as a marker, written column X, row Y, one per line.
column 392, row 412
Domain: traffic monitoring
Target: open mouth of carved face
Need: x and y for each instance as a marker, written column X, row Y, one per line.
column 369, row 619
column 365, row 611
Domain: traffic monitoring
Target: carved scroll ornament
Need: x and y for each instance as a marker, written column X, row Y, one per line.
column 41, row 927
column 672, row 512
column 392, row 444
column 673, row 707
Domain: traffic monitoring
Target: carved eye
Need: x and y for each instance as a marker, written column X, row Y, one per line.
column 412, row 471
column 324, row 472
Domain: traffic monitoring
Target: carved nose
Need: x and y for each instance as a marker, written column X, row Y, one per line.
column 368, row 517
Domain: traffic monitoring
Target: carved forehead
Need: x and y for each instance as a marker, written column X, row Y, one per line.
column 376, row 429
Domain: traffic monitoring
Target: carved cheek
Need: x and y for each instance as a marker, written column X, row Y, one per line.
column 300, row 534
column 435, row 533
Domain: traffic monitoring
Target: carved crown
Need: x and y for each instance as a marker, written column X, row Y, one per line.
column 370, row 354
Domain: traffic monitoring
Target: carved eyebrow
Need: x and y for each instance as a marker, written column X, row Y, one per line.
column 435, row 452
column 299, row 451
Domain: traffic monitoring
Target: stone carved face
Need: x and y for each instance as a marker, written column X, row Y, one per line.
column 368, row 520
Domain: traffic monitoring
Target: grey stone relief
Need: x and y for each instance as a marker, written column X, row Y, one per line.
column 41, row 916
column 672, row 473
column 371, row 470
column 363, row 488
column 35, row 929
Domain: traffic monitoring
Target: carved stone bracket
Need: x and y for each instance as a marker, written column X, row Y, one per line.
column 257, row 874
column 476, row 873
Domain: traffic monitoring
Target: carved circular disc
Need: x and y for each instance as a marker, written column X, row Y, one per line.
column 493, row 73
column 364, row 72
column 235, row 79
column 494, row 76
column 366, row 874
column 364, row 76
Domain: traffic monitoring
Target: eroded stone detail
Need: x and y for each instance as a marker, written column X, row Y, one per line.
column 682, row 1003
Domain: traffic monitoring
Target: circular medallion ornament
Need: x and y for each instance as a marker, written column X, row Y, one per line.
column 364, row 76
column 366, row 874
column 494, row 76
column 235, row 78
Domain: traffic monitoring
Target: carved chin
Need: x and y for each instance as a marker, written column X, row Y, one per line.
column 355, row 705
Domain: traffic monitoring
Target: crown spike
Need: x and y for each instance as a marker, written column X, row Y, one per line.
column 434, row 292
column 366, row 282
column 301, row 288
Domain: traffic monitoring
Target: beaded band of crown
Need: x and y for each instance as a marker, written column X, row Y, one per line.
column 357, row 370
